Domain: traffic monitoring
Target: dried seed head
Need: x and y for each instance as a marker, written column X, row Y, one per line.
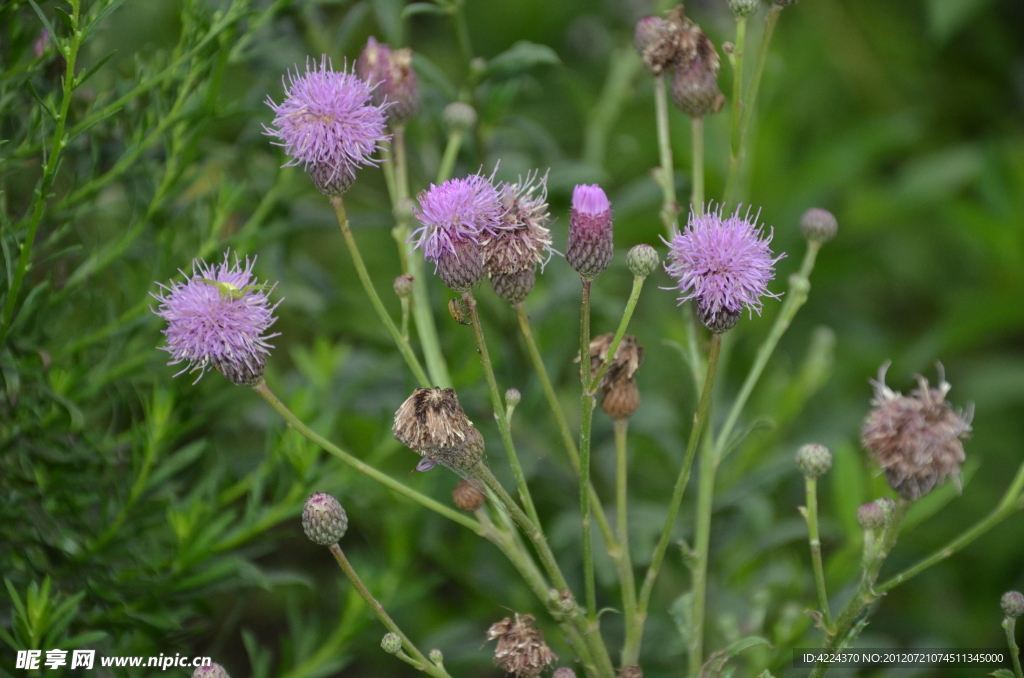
column 741, row 8
column 631, row 671
column 819, row 225
column 467, row 495
column 563, row 672
column 916, row 439
column 642, row 260
column 391, row 643
column 695, row 84
column 590, row 246
column 521, row 649
column 813, row 460
column 622, row 399
column 871, row 516
column 459, row 117
column 403, row 286
column 664, row 44
column 433, row 424
column 628, row 358
column 214, row 670
column 323, row 519
column 1013, row 604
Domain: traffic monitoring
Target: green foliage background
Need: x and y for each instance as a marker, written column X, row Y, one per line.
column 164, row 514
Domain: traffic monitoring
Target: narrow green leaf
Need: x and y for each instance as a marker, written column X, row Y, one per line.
column 82, row 77
column 518, row 59
column 65, row 19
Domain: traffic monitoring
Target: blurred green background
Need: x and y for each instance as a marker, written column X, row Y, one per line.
column 167, row 512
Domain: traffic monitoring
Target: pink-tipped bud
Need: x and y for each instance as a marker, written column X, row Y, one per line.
column 214, row 670
column 813, row 460
column 590, row 246
column 819, row 225
column 871, row 516
column 323, row 519
column 1013, row 604
column 563, row 672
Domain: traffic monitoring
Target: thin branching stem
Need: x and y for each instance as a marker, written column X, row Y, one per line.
column 814, row 538
column 451, row 153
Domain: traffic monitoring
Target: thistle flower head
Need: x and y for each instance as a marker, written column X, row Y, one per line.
column 590, row 245
column 620, row 396
column 323, row 519
column 663, row 43
column 723, row 263
column 521, row 649
column 214, row 670
column 217, row 318
column 695, row 84
column 917, row 438
column 813, row 460
column 390, row 73
column 433, row 424
column 524, row 240
column 328, row 124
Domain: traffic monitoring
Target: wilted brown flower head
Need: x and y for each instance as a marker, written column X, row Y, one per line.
column 433, row 424
column 695, row 85
column 467, row 495
column 664, row 44
column 916, row 438
column 620, row 395
column 521, row 649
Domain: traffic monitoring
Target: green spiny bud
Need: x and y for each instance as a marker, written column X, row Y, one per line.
column 813, row 460
column 459, row 117
column 642, row 260
column 403, row 286
column 512, row 397
column 871, row 516
column 819, row 225
column 1013, row 604
column 741, row 8
column 323, row 519
column 391, row 643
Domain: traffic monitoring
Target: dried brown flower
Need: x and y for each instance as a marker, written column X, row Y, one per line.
column 467, row 495
column 628, row 358
column 622, row 399
column 521, row 649
column 433, row 424
column 524, row 240
column 695, row 85
column 665, row 44
column 916, row 438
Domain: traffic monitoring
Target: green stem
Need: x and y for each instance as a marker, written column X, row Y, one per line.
column 701, row 547
column 799, row 288
column 669, row 206
column 424, row 664
column 587, row 418
column 451, row 153
column 634, row 629
column 627, row 315
column 738, row 107
column 358, row 465
column 747, row 114
column 1010, row 504
column 396, row 160
column 403, row 346
column 815, row 541
column 697, row 170
column 57, row 146
column 1009, row 623
column 699, row 421
column 499, row 407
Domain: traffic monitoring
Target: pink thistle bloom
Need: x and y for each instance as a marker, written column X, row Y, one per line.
column 328, row 124
column 724, row 264
column 590, row 247
column 217, row 318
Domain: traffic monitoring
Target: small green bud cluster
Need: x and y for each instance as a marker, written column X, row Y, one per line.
column 813, row 460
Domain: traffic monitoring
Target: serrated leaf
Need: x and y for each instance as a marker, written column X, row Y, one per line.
column 415, row 8
column 518, row 59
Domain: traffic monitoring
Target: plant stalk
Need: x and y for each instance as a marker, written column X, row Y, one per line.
column 697, row 169
column 451, row 153
column 586, row 420
column 669, row 206
column 1010, row 624
column 814, row 538
column 633, row 628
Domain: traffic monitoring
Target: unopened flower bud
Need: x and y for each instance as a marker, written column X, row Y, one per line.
column 1013, row 604
column 741, row 8
column 695, row 84
column 514, row 287
column 818, row 225
column 214, row 670
column 871, row 516
column 403, row 286
column 563, row 672
column 642, row 260
column 323, row 519
column 888, row 507
column 391, row 643
column 436, row 657
column 512, row 397
column 459, row 117
column 813, row 460
column 622, row 399
column 467, row 496
column 590, row 246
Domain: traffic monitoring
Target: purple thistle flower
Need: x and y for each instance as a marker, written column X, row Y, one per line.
column 456, row 216
column 590, row 246
column 724, row 264
column 217, row 318
column 328, row 124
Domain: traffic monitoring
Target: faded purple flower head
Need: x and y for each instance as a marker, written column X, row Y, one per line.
column 456, row 217
column 590, row 246
column 217, row 318
column 525, row 240
column 724, row 264
column 328, row 124
column 391, row 74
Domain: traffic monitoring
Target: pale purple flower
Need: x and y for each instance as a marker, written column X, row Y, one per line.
column 328, row 124
column 723, row 263
column 217, row 318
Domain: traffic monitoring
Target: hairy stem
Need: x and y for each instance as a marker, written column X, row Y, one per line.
column 422, row 663
column 403, row 346
column 1010, row 624
column 631, row 645
column 697, row 170
column 815, row 542
column 669, row 206
column 736, row 150
column 702, row 547
column 358, row 465
column 587, row 418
